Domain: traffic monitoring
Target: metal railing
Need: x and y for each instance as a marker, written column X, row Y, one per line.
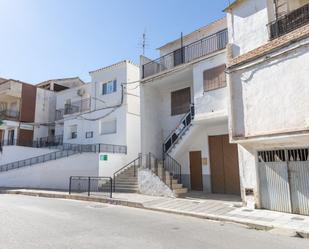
column 173, row 167
column 74, row 107
column 136, row 163
column 289, row 22
column 43, row 142
column 66, row 150
column 188, row 53
column 9, row 114
column 179, row 131
column 91, row 184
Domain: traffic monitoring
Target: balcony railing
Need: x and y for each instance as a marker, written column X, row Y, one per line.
column 289, row 22
column 75, row 107
column 9, row 114
column 187, row 53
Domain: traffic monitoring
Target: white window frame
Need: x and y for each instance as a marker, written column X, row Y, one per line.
column 109, row 87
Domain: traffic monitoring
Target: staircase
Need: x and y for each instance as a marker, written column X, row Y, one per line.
column 179, row 132
column 126, row 178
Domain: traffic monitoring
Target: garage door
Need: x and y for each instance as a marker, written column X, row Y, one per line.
column 283, row 177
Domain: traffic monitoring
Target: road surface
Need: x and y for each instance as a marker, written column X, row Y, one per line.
column 36, row 222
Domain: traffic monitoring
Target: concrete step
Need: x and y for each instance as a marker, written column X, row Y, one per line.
column 180, row 191
column 177, row 186
column 123, row 178
column 126, row 181
column 126, row 190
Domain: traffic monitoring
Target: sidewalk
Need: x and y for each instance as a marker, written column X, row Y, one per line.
column 219, row 208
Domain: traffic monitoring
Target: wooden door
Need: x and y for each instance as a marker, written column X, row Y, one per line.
column 216, row 165
column 1, row 135
column 224, row 165
column 231, row 168
column 196, row 174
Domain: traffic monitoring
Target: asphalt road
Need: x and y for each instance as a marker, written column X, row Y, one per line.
column 39, row 223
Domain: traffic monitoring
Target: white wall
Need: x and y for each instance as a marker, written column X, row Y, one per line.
column 52, row 174
column 150, row 120
column 197, row 140
column 247, row 26
column 209, row 102
column 114, row 163
column 271, row 97
column 45, row 110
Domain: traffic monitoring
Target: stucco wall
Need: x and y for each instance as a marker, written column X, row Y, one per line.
column 15, row 153
column 150, row 120
column 44, row 112
column 211, row 101
column 53, row 174
column 271, row 97
column 247, row 25
column 197, row 140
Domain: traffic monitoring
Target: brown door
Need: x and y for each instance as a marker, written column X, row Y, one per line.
column 196, row 170
column 1, row 136
column 25, row 137
column 216, row 165
column 224, row 165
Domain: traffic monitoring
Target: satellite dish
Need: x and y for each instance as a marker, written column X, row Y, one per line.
column 81, row 92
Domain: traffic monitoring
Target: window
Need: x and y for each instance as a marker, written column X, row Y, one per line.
column 180, row 101
column 109, row 87
column 214, row 78
column 108, row 127
column 73, row 132
column 89, row 134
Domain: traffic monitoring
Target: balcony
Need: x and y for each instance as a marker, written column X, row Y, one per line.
column 289, row 22
column 9, row 114
column 188, row 53
column 74, row 107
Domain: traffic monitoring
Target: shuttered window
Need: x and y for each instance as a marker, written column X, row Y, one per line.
column 180, row 101
column 214, row 78
column 108, row 127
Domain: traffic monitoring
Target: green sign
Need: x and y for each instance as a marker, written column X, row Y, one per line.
column 103, row 157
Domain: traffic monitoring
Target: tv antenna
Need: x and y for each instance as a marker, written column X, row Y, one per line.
column 143, row 45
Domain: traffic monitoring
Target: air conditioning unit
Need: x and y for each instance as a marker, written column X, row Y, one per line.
column 81, row 92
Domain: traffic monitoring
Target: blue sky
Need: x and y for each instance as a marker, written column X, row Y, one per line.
column 46, row 39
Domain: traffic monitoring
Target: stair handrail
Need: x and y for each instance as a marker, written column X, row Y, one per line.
column 173, row 167
column 65, row 151
column 186, row 121
column 136, row 163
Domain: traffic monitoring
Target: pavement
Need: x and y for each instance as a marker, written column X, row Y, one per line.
column 213, row 207
column 29, row 222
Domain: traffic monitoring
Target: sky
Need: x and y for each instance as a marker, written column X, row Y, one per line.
column 51, row 39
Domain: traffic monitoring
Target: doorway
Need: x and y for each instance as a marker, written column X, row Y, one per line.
column 1, row 136
column 224, row 165
column 196, row 174
column 11, row 137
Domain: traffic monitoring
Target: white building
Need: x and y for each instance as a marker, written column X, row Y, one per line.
column 268, row 70
column 184, row 110
column 104, row 111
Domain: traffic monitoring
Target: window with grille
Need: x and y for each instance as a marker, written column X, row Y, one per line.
column 180, row 101
column 214, row 78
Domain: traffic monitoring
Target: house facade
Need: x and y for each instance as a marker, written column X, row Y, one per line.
column 267, row 74
column 103, row 111
column 17, row 112
column 184, row 110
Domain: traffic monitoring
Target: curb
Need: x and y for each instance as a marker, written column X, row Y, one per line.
column 251, row 225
